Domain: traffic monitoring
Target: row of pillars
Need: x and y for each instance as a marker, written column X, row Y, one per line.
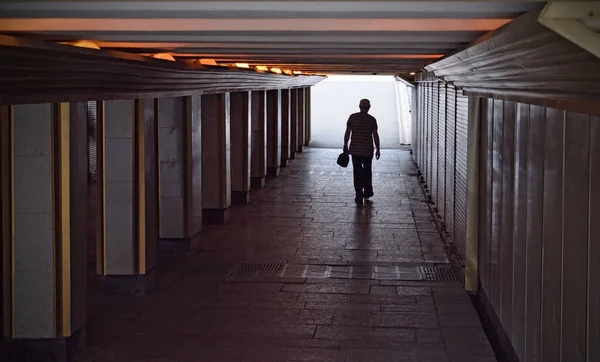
column 165, row 167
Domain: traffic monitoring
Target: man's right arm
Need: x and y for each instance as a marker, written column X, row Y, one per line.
column 347, row 134
column 347, row 137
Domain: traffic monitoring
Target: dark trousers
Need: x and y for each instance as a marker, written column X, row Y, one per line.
column 363, row 183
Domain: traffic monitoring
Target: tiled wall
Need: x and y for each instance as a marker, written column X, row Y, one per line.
column 33, row 224
column 119, row 153
column 171, row 120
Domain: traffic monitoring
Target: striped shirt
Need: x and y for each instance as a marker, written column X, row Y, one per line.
column 362, row 126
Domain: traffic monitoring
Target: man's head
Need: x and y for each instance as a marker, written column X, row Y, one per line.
column 364, row 105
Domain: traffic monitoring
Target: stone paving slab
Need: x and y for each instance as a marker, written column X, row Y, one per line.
column 349, row 288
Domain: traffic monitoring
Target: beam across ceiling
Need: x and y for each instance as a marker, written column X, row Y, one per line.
column 36, row 71
column 470, row 9
column 303, row 24
column 382, row 36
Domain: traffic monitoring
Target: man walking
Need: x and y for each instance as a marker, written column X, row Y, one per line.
column 361, row 131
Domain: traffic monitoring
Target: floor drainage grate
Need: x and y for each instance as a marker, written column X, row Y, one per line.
column 441, row 273
column 253, row 268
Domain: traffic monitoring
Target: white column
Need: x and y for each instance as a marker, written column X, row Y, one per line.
column 216, row 158
column 122, row 260
column 179, row 139
column 241, row 145
column 259, row 139
column 273, row 132
column 293, row 123
column 44, row 216
column 307, row 115
column 285, row 126
column 301, row 119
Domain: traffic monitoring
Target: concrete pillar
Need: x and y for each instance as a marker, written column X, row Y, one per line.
column 216, row 158
column 259, row 139
column 293, row 123
column 44, row 230
column 301, row 118
column 152, row 180
column 180, row 177
column 273, row 132
column 285, row 126
column 126, row 234
column 307, row 115
column 240, row 147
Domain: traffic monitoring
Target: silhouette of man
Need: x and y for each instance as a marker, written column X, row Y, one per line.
column 361, row 131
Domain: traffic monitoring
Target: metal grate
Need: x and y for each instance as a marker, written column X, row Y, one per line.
column 92, row 123
column 250, row 268
column 441, row 273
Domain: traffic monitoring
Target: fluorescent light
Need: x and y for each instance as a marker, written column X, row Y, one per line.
column 262, row 68
column 276, row 70
column 164, row 56
column 242, row 65
column 297, row 72
column 412, row 73
column 288, row 72
column 83, row 44
column 208, row 62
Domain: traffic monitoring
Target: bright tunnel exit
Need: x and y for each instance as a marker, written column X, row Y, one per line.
column 336, row 97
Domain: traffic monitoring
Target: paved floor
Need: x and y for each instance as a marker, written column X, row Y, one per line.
column 343, row 284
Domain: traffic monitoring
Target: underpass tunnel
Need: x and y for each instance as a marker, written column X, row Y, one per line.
column 336, row 97
column 169, row 187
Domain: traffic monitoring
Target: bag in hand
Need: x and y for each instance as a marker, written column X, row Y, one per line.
column 343, row 159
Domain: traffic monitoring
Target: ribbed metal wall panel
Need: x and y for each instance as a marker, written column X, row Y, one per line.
column 422, row 127
column 434, row 142
column 428, row 122
column 423, row 164
column 92, row 122
column 441, row 159
column 419, row 129
column 422, row 105
column 538, row 249
column 450, row 158
column 462, row 114
column 1, row 122
column 413, row 120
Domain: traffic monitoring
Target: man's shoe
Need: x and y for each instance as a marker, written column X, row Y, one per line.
column 359, row 201
column 369, row 194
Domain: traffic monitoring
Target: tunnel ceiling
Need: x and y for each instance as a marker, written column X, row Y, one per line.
column 384, row 37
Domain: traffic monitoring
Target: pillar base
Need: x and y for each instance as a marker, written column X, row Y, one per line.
column 272, row 172
column 240, row 197
column 306, row 144
column 127, row 284
column 284, row 163
column 257, row 182
column 44, row 350
column 293, row 156
column 215, row 216
column 178, row 246
column 300, row 149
